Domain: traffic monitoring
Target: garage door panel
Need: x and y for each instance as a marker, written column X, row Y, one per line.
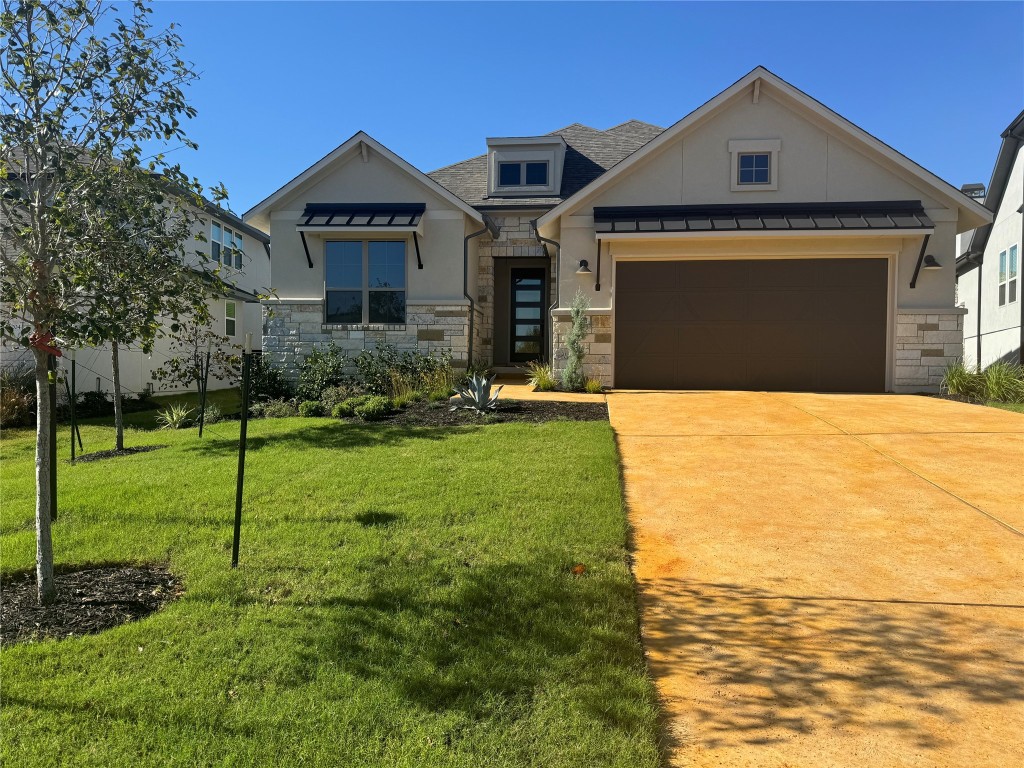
column 779, row 324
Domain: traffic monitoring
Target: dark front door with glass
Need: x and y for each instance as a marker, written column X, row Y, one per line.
column 526, row 339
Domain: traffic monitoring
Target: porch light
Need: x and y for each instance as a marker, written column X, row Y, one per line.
column 584, row 269
column 930, row 263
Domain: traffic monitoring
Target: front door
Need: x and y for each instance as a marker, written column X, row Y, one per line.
column 526, row 329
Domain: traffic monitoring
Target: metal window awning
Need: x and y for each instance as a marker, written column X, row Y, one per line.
column 836, row 218
column 402, row 217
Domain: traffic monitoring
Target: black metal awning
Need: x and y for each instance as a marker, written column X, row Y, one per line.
column 858, row 216
column 362, row 215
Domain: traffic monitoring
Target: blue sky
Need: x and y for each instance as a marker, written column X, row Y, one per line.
column 283, row 83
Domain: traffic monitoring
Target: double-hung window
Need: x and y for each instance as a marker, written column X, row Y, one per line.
column 229, row 318
column 1008, row 280
column 364, row 282
column 226, row 246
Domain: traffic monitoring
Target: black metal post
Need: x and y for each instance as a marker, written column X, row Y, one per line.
column 202, row 391
column 77, row 431
column 246, row 365
column 51, row 381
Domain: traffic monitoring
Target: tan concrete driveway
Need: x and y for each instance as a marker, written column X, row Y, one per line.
column 829, row 580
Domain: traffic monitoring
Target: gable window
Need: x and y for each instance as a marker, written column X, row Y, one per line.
column 755, row 168
column 364, row 282
column 229, row 318
column 1008, row 276
column 225, row 246
column 754, row 164
column 523, row 174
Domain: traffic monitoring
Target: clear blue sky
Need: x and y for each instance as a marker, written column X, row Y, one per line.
column 283, row 83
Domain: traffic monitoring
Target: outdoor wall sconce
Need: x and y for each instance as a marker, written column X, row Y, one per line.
column 584, row 268
column 924, row 262
column 930, row 263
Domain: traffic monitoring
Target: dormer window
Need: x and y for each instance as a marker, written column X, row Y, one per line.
column 525, row 167
column 521, row 174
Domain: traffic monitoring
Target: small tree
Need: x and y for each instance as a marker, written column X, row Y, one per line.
column 73, row 101
column 189, row 342
column 573, row 377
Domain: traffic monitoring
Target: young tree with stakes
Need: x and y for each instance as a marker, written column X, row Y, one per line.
column 83, row 86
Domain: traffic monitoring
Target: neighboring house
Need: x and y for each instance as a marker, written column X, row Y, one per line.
column 762, row 242
column 988, row 265
column 242, row 254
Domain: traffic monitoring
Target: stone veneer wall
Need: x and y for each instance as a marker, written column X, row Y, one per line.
column 597, row 344
column 926, row 343
column 516, row 239
column 293, row 328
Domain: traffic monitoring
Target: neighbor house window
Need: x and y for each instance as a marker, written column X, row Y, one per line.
column 1008, row 276
column 225, row 246
column 364, row 282
column 524, row 174
column 229, row 318
column 755, row 168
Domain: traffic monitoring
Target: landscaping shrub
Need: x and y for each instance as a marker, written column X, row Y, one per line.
column 1004, row 382
column 321, row 369
column 274, row 409
column 476, row 394
column 333, row 396
column 439, row 395
column 572, row 376
column 16, row 408
column 593, row 386
column 212, row 414
column 94, row 404
column 383, row 371
column 267, row 382
column 375, row 408
column 541, row 376
column 348, row 407
column 175, row 416
column 310, row 408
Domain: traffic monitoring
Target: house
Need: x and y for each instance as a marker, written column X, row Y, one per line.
column 762, row 242
column 241, row 253
column 989, row 262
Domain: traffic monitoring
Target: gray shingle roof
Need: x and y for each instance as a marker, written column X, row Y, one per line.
column 588, row 154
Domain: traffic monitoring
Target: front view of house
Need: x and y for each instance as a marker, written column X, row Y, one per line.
column 762, row 242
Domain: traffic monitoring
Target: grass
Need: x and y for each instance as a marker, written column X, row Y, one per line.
column 1018, row 407
column 405, row 598
column 228, row 400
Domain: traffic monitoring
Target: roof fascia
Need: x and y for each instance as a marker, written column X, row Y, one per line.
column 338, row 154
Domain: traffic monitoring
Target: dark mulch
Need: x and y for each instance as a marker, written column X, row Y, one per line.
column 98, row 455
column 89, row 600
column 535, row 411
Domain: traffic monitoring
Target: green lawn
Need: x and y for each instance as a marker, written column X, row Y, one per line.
column 404, row 599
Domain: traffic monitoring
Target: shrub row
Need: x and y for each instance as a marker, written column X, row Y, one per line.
column 1003, row 382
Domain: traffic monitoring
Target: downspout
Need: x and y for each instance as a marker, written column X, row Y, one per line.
column 489, row 226
column 977, row 322
column 545, row 241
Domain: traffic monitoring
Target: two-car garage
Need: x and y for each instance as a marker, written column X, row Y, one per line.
column 757, row 324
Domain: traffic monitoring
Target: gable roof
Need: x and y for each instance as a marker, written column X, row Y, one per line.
column 589, row 152
column 977, row 214
column 1013, row 140
column 340, row 153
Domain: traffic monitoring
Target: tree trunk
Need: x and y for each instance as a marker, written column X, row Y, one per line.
column 45, row 588
column 118, row 415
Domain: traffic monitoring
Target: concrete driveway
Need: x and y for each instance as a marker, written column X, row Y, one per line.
column 829, row 580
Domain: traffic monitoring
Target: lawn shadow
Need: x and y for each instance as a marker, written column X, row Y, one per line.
column 783, row 665
column 331, row 436
column 481, row 639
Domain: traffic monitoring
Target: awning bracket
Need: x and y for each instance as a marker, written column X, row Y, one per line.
column 416, row 242
column 305, row 247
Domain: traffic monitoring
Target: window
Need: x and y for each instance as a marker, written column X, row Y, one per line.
column 523, row 174
column 226, row 245
column 364, row 282
column 755, row 168
column 1008, row 276
column 755, row 164
column 229, row 318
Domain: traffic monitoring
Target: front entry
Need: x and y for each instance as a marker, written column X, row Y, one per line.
column 526, row 324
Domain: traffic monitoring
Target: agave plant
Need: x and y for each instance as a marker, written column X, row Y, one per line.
column 175, row 416
column 476, row 394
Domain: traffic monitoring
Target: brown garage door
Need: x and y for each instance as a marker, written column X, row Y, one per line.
column 779, row 324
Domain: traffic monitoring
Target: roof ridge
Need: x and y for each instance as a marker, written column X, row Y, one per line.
column 633, row 120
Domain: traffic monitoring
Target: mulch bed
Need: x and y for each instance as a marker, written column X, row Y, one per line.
column 89, row 600
column 98, row 455
column 535, row 411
